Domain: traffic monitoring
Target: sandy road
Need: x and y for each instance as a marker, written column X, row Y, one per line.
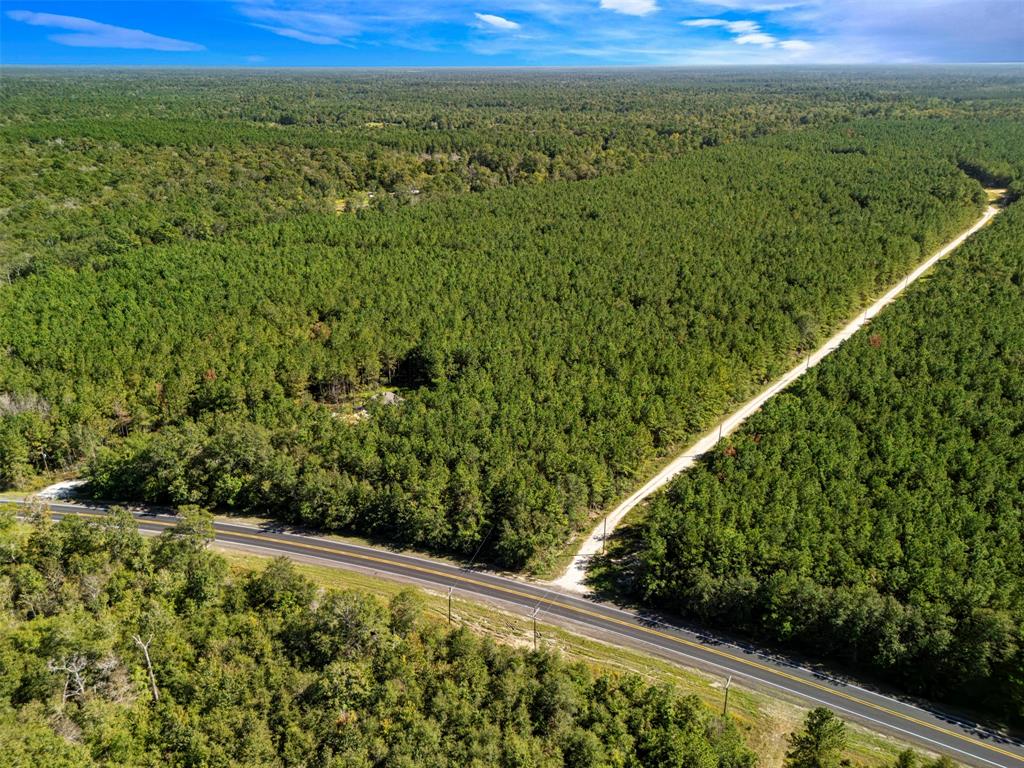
column 574, row 577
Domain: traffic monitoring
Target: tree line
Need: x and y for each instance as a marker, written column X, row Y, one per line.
column 872, row 513
column 120, row 651
column 96, row 165
column 116, row 651
column 546, row 341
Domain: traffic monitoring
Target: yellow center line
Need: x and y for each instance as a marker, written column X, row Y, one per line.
column 612, row 619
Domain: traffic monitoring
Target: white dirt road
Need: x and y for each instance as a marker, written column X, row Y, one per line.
column 573, row 578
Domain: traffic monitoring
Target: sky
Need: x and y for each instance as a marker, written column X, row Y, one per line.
column 487, row 33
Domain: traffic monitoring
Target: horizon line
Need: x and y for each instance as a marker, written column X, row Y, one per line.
column 804, row 65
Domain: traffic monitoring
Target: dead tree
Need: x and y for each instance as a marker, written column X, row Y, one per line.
column 144, row 647
column 74, row 683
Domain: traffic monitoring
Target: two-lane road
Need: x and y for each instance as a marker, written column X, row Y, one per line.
column 928, row 727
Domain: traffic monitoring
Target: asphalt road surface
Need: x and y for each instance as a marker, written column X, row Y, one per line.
column 927, row 726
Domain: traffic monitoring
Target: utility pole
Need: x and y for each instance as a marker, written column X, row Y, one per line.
column 450, row 605
column 535, row 610
column 725, row 709
column 604, row 536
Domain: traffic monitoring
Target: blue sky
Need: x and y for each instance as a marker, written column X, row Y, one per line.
column 509, row 32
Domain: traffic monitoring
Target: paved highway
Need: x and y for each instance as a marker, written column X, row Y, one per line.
column 926, row 726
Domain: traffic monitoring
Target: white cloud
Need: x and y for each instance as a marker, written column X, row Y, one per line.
column 298, row 34
column 498, row 22
column 917, row 30
column 318, row 28
column 747, row 32
column 796, row 45
column 94, row 34
column 630, row 7
column 756, row 38
column 737, row 27
column 751, row 5
column 742, row 26
column 896, row 31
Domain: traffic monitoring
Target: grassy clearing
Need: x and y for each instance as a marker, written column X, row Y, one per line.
column 764, row 719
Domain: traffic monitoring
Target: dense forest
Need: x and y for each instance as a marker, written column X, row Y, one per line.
column 545, row 340
column 872, row 513
column 115, row 650
column 98, row 164
column 478, row 373
column 465, row 312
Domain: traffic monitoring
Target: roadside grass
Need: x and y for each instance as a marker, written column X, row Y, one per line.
column 764, row 719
